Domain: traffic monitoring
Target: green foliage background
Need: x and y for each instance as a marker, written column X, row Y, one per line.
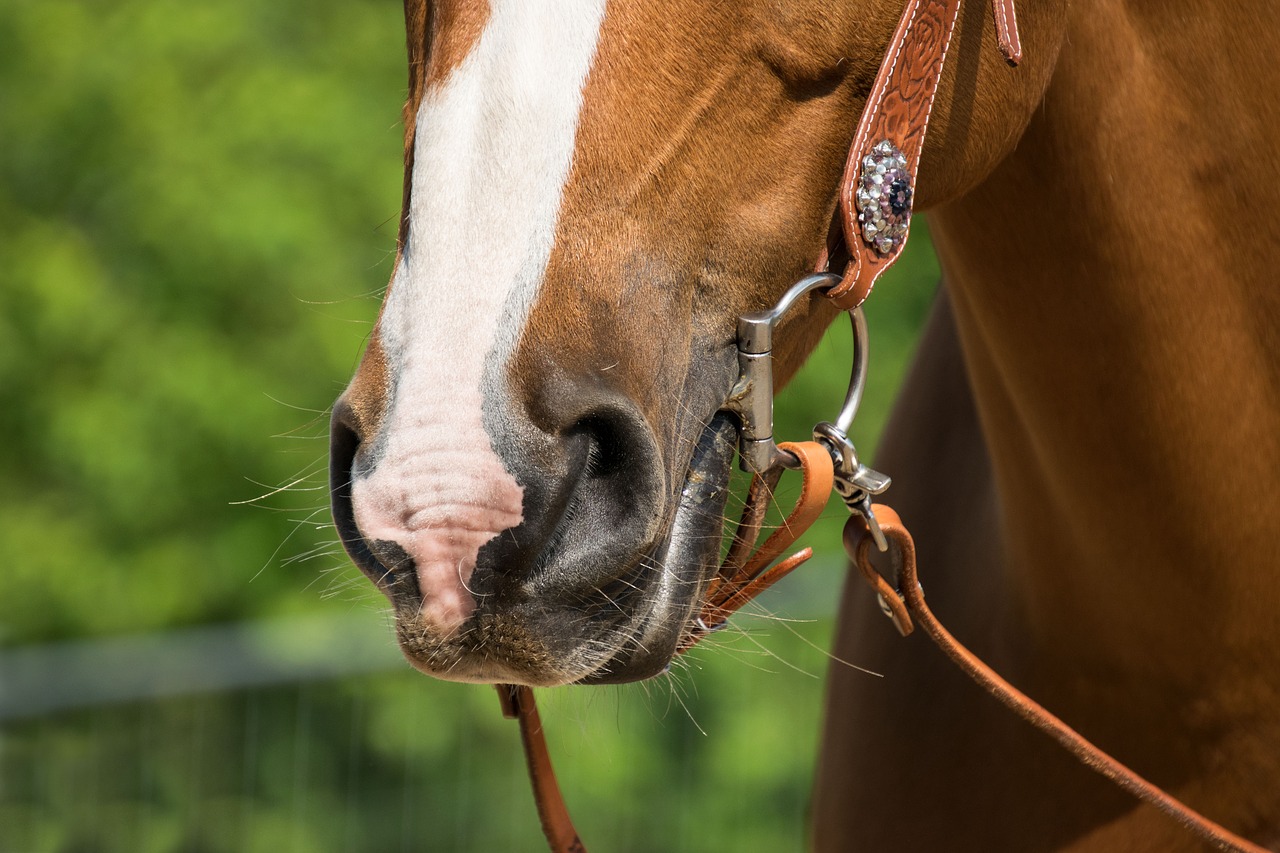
column 197, row 206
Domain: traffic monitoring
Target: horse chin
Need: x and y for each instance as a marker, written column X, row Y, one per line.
column 685, row 562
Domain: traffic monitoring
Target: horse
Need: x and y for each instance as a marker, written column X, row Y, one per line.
column 1087, row 446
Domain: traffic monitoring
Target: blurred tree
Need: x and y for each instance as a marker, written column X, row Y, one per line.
column 192, row 200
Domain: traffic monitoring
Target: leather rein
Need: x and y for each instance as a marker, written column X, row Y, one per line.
column 871, row 227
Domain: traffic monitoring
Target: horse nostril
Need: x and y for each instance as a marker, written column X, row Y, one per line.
column 612, row 490
column 344, row 443
column 606, row 444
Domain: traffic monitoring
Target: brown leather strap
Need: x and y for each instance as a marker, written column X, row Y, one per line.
column 906, row 595
column 891, row 134
column 557, row 826
column 742, row 578
column 1007, row 30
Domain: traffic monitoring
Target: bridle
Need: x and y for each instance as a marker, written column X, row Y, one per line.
column 871, row 226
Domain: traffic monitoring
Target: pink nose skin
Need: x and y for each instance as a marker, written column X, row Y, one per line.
column 441, row 515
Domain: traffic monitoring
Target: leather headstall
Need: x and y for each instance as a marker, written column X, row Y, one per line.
column 872, row 224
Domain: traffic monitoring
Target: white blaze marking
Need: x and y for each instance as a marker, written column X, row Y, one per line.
column 492, row 153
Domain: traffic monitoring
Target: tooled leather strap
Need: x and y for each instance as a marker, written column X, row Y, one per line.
column 879, row 178
column 742, row 576
column 905, row 602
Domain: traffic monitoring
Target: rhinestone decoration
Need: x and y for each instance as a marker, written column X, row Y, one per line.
column 884, row 197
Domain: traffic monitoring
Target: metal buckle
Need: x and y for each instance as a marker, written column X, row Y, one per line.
column 854, row 481
column 752, row 401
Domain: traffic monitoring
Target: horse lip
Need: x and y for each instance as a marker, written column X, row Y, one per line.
column 687, row 557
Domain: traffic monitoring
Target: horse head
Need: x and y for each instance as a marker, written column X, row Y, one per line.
column 531, row 460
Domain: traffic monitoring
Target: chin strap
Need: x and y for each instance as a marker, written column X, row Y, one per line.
column 557, row 826
column 742, row 576
column 903, row 602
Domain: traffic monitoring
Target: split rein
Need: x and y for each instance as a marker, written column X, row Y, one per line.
column 828, row 463
column 872, row 222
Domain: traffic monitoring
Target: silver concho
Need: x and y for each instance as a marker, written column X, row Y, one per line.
column 884, row 197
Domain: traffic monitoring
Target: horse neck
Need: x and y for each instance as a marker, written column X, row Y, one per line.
column 1114, row 296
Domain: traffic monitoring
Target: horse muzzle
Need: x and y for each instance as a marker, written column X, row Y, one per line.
column 551, row 547
column 563, row 555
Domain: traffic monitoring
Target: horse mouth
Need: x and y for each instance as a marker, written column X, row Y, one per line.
column 625, row 625
column 681, row 566
column 629, row 628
